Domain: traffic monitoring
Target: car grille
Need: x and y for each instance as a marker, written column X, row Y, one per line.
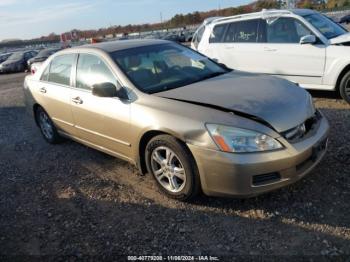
column 303, row 130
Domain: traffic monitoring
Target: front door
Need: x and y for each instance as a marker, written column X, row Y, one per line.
column 104, row 122
column 236, row 45
column 284, row 55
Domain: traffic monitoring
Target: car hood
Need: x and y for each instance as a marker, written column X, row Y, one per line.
column 342, row 39
column 277, row 102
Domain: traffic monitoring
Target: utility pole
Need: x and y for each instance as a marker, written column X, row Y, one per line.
column 219, row 8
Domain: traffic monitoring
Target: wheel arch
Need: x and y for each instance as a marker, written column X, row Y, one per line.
column 341, row 75
column 143, row 141
column 35, row 108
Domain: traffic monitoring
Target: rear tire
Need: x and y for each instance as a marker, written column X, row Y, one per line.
column 173, row 167
column 344, row 87
column 47, row 127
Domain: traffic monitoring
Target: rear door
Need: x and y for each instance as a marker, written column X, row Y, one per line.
column 236, row 45
column 286, row 57
column 52, row 92
column 104, row 122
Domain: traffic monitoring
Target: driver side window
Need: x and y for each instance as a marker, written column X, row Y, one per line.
column 286, row 30
column 92, row 70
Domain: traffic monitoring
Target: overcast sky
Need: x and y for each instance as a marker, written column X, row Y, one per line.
column 33, row 18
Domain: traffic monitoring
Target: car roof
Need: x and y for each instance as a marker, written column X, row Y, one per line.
column 264, row 12
column 113, row 46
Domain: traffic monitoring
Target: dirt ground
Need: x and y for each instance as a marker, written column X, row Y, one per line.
column 68, row 199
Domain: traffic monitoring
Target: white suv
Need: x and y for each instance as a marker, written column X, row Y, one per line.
column 300, row 45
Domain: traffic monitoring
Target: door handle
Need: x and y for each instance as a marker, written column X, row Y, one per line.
column 43, row 90
column 77, row 100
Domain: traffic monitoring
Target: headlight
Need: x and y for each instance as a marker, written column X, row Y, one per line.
column 232, row 139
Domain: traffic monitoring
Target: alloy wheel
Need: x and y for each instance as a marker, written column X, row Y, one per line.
column 45, row 125
column 347, row 88
column 168, row 169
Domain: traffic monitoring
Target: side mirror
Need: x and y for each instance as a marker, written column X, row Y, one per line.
column 308, row 39
column 109, row 90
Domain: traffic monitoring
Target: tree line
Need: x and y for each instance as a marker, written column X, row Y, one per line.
column 182, row 20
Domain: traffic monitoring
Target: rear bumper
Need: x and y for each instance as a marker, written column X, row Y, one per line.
column 247, row 175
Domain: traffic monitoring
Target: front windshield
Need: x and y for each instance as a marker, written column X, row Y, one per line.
column 325, row 25
column 157, row 68
column 16, row 56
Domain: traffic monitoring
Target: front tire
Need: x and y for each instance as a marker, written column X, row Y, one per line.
column 47, row 127
column 173, row 167
column 344, row 88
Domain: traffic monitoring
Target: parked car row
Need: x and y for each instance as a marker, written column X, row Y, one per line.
column 4, row 56
column 302, row 46
column 20, row 61
column 16, row 62
column 179, row 36
column 42, row 55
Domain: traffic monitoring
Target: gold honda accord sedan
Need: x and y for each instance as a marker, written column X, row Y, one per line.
column 190, row 122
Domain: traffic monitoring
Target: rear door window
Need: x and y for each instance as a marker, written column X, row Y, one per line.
column 61, row 69
column 242, row 32
column 246, row 31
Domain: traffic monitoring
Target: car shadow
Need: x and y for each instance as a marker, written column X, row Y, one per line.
column 72, row 218
column 324, row 94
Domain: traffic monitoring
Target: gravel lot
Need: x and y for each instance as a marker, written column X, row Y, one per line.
column 71, row 200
